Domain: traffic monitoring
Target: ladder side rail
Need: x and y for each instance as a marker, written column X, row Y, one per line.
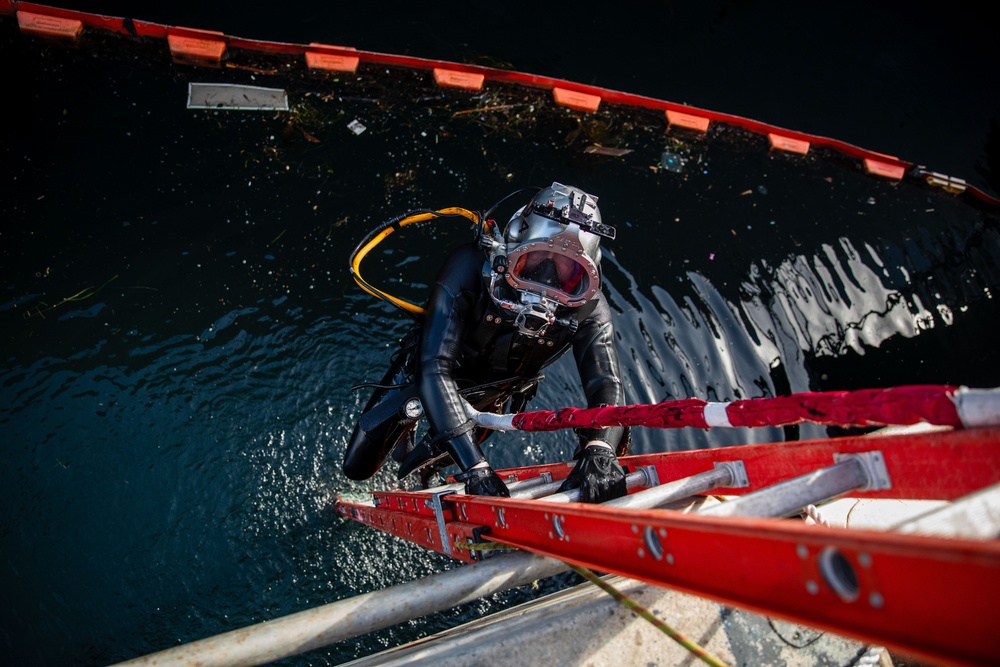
column 916, row 594
column 942, row 465
column 422, row 530
column 935, row 465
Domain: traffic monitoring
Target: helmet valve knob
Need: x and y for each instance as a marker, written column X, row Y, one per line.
column 500, row 263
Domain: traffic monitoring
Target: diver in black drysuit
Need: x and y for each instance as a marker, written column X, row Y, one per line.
column 477, row 344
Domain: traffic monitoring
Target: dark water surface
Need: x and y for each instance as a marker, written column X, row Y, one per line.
column 180, row 331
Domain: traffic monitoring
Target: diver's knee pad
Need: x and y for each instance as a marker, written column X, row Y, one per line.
column 382, row 425
column 390, row 414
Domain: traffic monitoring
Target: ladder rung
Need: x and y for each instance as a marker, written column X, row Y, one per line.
column 975, row 516
column 789, row 497
column 645, row 476
column 721, row 476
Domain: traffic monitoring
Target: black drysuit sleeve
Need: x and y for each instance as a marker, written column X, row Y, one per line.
column 448, row 314
column 597, row 360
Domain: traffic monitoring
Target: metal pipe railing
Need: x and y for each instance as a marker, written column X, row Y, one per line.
column 321, row 626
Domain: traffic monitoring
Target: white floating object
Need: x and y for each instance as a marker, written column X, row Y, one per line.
column 231, row 96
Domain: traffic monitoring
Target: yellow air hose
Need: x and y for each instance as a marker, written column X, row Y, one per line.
column 380, row 233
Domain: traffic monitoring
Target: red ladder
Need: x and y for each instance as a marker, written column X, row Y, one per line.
column 922, row 594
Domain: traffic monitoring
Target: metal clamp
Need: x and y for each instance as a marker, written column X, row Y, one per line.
column 652, row 478
column 955, row 186
column 434, row 502
column 873, row 464
column 737, row 471
column 478, row 537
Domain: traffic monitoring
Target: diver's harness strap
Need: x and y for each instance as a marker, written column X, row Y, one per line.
column 429, row 450
column 453, row 433
column 391, row 407
column 544, row 347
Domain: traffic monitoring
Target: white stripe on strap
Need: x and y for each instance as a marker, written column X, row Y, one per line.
column 977, row 407
column 490, row 420
column 716, row 415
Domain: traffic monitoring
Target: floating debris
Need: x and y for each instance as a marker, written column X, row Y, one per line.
column 356, row 126
column 232, row 96
column 672, row 162
column 605, row 150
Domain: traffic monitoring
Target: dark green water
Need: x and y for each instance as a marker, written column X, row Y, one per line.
column 180, row 330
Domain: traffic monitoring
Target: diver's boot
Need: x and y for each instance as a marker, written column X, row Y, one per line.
column 425, row 453
column 430, row 475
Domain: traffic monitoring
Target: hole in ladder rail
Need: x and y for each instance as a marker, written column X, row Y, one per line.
column 838, row 573
column 653, row 544
column 557, row 526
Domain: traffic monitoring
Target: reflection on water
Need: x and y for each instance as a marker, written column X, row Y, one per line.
column 841, row 300
column 172, row 443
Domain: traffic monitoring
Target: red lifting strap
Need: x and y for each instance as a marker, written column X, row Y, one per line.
column 867, row 407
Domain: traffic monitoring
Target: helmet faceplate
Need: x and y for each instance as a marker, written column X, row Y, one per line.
column 556, row 267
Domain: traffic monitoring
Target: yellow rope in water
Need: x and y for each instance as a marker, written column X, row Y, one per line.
column 83, row 294
column 619, row 597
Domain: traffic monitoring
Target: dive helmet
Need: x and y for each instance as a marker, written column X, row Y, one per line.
column 550, row 252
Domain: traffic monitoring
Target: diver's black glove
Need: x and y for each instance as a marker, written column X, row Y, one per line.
column 597, row 475
column 483, row 482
